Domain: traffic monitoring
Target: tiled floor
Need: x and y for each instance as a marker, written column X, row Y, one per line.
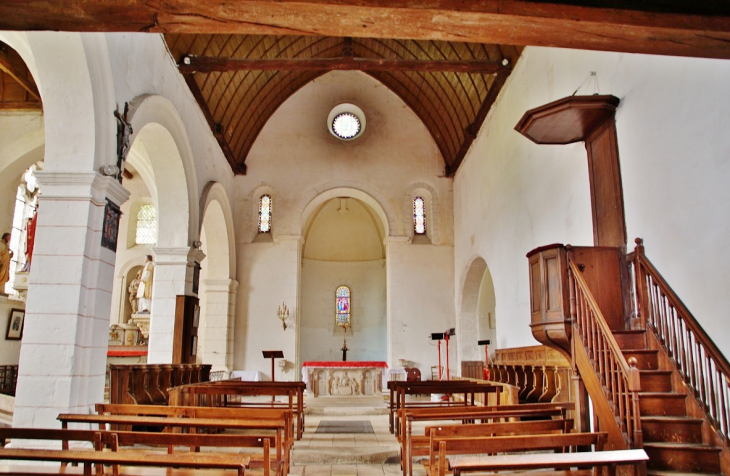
column 331, row 446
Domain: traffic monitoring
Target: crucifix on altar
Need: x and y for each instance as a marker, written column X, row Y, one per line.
column 342, row 314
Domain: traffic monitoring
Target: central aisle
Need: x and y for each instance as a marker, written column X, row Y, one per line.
column 339, row 454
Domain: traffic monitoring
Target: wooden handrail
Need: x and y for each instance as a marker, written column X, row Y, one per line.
column 620, row 380
column 703, row 366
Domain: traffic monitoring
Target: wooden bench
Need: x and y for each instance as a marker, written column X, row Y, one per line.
column 203, row 412
column 442, row 447
column 468, row 414
column 278, row 426
column 130, row 458
column 594, row 459
column 228, row 393
column 420, row 445
column 115, row 440
column 399, row 390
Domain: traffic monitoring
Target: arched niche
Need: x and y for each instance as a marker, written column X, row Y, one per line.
column 343, row 244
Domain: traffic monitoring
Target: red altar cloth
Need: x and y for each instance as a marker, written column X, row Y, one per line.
column 346, row 364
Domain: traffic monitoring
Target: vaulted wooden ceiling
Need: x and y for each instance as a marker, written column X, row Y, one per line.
column 449, row 85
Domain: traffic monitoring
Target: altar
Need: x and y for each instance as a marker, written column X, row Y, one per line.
column 343, row 378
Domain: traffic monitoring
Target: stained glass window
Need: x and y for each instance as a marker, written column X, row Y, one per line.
column 342, row 306
column 265, row 207
column 419, row 215
column 146, row 225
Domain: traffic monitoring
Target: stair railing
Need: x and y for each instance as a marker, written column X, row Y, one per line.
column 703, row 367
column 621, row 381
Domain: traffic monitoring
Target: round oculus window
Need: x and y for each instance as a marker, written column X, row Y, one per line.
column 346, row 125
column 346, row 122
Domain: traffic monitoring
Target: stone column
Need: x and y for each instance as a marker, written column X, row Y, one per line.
column 63, row 356
column 220, row 311
column 173, row 277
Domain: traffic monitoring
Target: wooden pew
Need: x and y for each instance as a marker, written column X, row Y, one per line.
column 130, row 458
column 442, row 447
column 229, row 393
column 190, row 424
column 419, row 445
column 470, row 414
column 531, row 462
column 399, row 390
column 210, row 412
column 115, row 440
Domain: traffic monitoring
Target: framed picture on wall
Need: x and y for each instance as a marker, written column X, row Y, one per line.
column 15, row 324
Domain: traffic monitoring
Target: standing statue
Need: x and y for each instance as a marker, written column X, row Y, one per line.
column 133, row 288
column 5, row 255
column 30, row 240
column 144, row 292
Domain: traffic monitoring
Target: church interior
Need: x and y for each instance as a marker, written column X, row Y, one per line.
column 360, row 182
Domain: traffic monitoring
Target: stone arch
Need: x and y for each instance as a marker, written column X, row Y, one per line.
column 467, row 324
column 433, row 208
column 217, row 279
column 369, row 195
column 159, row 127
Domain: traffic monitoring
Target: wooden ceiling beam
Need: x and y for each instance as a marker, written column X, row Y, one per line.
column 691, row 28
column 207, row 64
column 21, row 106
column 7, row 67
column 238, row 166
column 471, row 131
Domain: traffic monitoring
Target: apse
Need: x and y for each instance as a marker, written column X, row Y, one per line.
column 343, row 246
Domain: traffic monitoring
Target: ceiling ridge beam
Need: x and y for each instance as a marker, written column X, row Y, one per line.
column 690, row 28
column 208, row 64
column 215, row 128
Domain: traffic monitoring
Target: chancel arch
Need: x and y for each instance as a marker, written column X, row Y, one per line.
column 218, row 286
column 343, row 245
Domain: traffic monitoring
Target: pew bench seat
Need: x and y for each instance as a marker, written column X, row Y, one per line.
column 129, row 458
column 522, row 462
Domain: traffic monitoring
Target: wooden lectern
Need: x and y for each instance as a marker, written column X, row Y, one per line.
column 273, row 354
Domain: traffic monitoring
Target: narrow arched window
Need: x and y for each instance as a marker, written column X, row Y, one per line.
column 146, row 225
column 342, row 306
column 419, row 216
column 265, row 208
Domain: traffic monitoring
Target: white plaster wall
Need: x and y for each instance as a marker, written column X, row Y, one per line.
column 142, row 65
column 9, row 349
column 296, row 159
column 320, row 338
column 268, row 275
column 487, row 305
column 420, row 297
column 512, row 195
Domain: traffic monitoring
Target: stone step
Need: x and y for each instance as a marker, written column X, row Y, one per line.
column 346, row 411
column 346, row 455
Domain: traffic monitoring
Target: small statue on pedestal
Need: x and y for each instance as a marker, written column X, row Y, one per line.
column 133, row 288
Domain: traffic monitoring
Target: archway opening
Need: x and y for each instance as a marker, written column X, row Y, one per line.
column 343, row 246
column 478, row 311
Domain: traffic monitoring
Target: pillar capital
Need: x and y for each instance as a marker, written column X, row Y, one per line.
column 81, row 186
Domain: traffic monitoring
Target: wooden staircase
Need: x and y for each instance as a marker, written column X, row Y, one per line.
column 672, row 438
